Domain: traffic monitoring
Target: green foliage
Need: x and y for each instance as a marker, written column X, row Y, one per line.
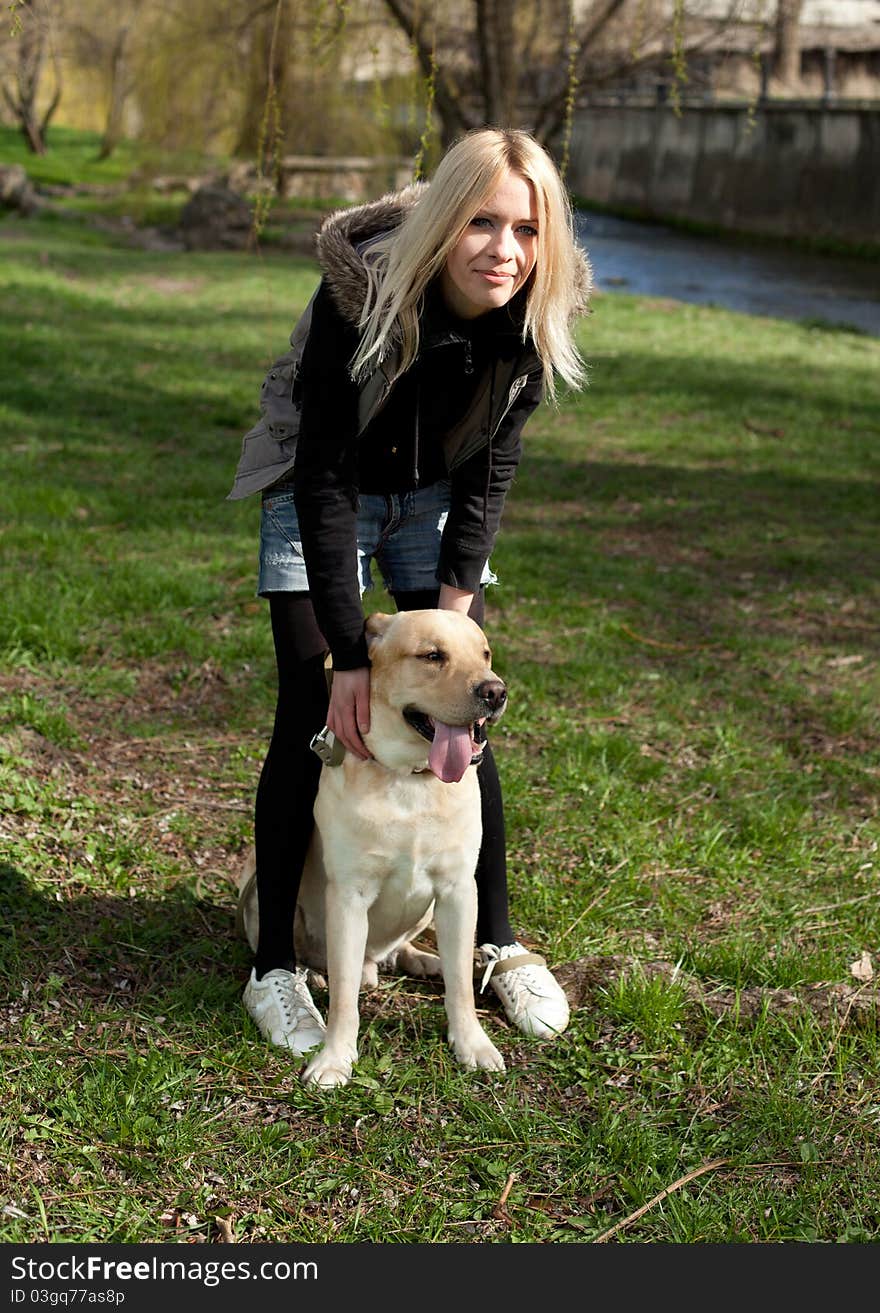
column 686, row 618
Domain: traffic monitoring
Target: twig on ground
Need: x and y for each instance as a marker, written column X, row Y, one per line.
column 667, row 647
column 676, row 1185
column 162, row 747
column 207, row 802
column 499, row 1212
column 844, row 902
column 599, row 896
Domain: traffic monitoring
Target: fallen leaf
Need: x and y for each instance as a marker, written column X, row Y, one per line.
column 767, row 430
column 224, row 1226
column 862, row 968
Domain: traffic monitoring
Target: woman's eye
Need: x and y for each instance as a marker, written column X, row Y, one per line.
column 480, row 221
column 528, row 231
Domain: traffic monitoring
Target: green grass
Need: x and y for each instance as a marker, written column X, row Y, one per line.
column 119, row 187
column 687, row 618
column 72, row 158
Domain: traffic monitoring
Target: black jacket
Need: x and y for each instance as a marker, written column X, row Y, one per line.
column 458, row 413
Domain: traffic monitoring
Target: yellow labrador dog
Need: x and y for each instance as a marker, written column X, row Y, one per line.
column 397, row 838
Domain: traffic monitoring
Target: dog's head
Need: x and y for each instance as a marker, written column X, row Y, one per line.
column 432, row 691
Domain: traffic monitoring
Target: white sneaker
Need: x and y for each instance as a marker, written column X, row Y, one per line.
column 282, row 1008
column 533, row 1000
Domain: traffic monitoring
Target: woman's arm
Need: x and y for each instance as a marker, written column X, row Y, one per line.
column 479, row 488
column 454, row 599
column 326, row 482
column 325, row 490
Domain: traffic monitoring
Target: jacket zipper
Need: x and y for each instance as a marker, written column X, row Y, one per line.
column 510, row 401
column 415, row 473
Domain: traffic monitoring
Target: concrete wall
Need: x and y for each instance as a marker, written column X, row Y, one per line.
column 790, row 169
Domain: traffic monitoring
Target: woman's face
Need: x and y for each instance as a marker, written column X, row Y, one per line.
column 496, row 252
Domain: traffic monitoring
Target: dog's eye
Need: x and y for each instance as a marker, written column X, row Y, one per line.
column 487, row 656
column 434, row 655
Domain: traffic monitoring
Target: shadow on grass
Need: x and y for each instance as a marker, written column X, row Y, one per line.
column 171, row 965
column 681, row 539
column 173, row 958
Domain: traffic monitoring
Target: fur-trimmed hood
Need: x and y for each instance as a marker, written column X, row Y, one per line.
column 343, row 231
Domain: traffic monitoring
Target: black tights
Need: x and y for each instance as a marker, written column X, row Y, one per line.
column 289, row 784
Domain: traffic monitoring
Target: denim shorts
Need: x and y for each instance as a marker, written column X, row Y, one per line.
column 401, row 532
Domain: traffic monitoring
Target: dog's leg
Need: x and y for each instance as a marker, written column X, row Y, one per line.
column 455, row 920
column 346, row 944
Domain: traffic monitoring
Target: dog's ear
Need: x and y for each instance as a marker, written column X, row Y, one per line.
column 375, row 627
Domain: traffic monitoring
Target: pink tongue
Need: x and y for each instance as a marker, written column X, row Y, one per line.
column 451, row 751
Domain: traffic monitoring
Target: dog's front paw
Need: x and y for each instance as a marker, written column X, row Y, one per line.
column 329, row 1068
column 477, row 1051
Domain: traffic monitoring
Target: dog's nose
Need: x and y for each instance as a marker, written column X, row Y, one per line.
column 493, row 693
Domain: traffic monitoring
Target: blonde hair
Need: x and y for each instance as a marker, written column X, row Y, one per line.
column 402, row 263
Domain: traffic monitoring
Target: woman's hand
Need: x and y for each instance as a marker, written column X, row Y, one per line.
column 349, row 713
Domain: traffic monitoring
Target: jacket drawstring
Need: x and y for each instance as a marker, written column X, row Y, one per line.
column 415, row 473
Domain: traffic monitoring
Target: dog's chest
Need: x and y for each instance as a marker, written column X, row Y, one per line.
column 406, row 832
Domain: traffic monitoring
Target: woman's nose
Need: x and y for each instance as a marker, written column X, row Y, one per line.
column 502, row 243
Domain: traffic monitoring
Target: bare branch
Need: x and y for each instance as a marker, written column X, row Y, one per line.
column 450, row 105
column 53, row 105
column 11, row 104
column 594, row 27
column 550, row 114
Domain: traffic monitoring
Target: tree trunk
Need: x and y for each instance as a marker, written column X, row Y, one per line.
column 118, row 96
column 495, row 44
column 488, row 64
column 787, row 52
column 267, row 75
column 31, row 58
column 30, row 130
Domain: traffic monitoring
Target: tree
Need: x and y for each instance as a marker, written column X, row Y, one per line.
column 523, row 61
column 101, row 36
column 33, row 41
column 307, row 88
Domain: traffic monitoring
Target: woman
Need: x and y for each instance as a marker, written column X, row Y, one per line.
column 443, row 314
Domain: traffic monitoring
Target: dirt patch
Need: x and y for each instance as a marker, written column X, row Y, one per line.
column 584, row 980
column 171, row 286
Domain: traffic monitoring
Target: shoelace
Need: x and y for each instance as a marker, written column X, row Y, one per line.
column 493, row 957
column 516, row 980
column 291, row 1001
